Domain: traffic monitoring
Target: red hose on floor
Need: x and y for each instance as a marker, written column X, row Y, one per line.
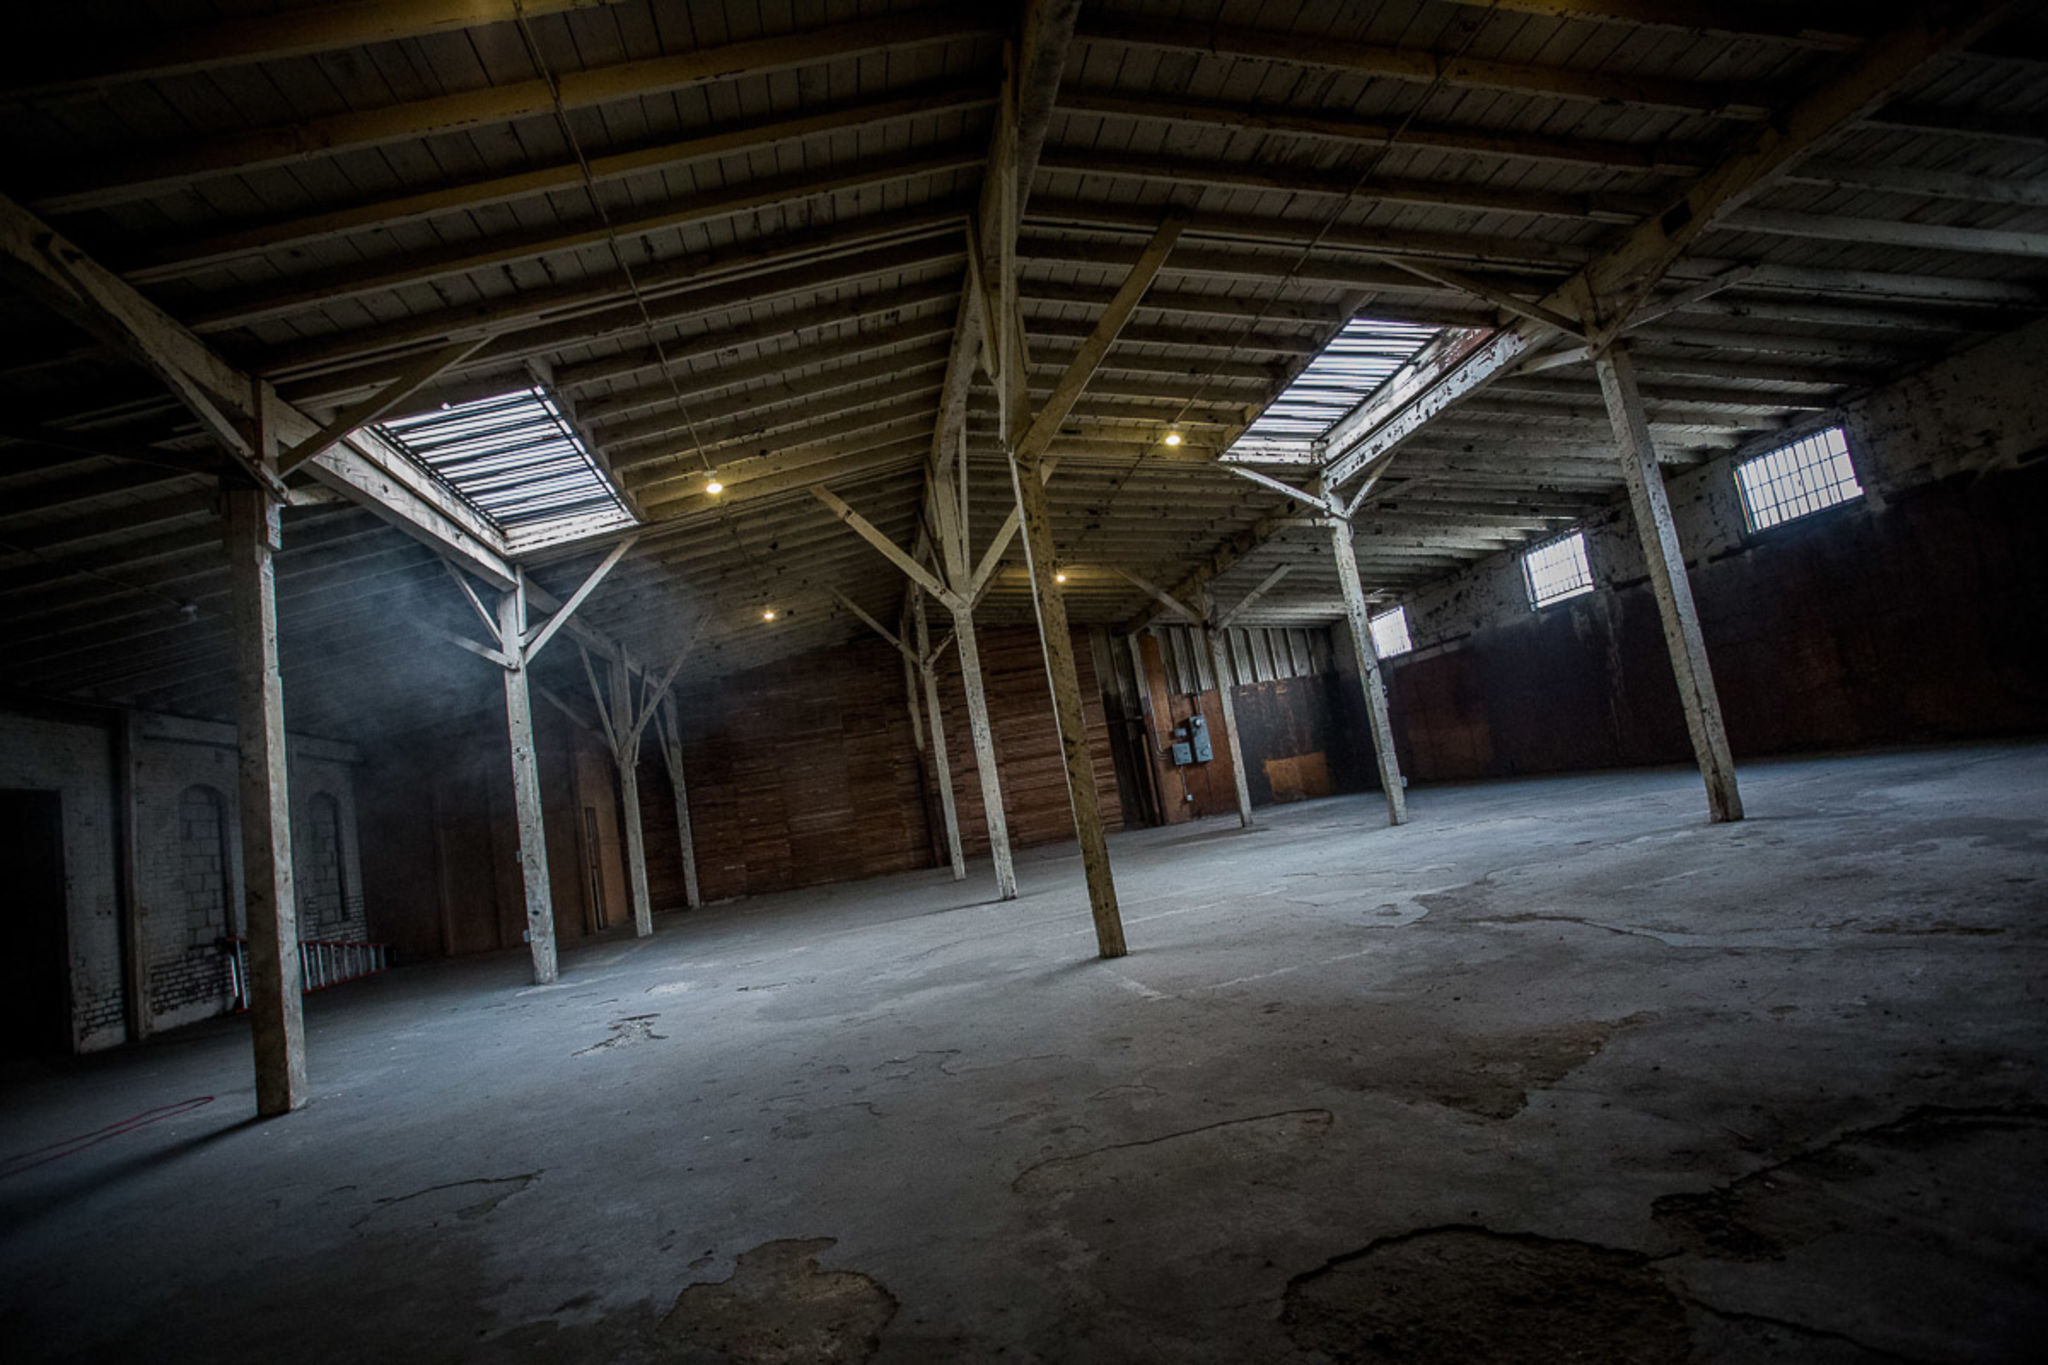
column 56, row 1151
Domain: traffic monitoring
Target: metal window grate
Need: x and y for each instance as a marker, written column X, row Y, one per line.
column 514, row 458
column 1794, row 480
column 1348, row 371
column 1390, row 633
column 1558, row 569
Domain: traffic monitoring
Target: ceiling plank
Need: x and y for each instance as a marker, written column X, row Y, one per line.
column 114, row 180
column 1323, row 52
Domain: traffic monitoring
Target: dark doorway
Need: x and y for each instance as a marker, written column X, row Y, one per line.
column 35, row 997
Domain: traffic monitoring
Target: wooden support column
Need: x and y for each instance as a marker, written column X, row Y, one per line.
column 275, row 1007
column 135, row 1004
column 1219, row 664
column 1666, row 559
column 982, row 735
column 533, row 848
column 1359, row 617
column 626, row 758
column 1035, row 514
column 942, row 764
column 961, row 603
column 625, row 720
column 518, row 645
column 672, row 754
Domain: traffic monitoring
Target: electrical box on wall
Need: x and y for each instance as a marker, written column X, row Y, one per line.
column 1198, row 736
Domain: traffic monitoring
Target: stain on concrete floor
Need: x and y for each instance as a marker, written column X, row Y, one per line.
column 462, row 1200
column 780, row 1308
column 1489, row 1076
column 1901, row 1166
column 633, row 1028
column 1262, row 1139
column 1476, row 1297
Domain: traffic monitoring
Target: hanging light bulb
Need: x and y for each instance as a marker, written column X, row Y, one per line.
column 712, row 485
column 768, row 615
column 1059, row 575
column 1173, row 438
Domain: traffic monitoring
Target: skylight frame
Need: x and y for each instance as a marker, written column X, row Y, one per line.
column 518, row 462
column 1357, row 363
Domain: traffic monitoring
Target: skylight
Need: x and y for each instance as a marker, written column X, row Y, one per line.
column 1356, row 362
column 515, row 460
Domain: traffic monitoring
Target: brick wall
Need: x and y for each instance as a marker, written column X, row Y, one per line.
column 188, row 853
column 799, row 773
column 75, row 759
column 1034, row 776
column 1911, row 614
column 193, row 908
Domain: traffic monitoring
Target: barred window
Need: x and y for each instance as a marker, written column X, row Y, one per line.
column 1794, row 480
column 1557, row 569
column 1390, row 633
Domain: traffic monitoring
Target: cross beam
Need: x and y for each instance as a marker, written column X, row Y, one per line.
column 1604, row 295
column 232, row 404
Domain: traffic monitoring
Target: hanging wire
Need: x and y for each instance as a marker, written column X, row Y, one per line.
column 1372, row 167
column 1301, row 259
column 618, row 254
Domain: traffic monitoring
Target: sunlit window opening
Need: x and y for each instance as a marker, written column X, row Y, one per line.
column 1390, row 633
column 515, row 459
column 1557, row 569
column 1349, row 370
column 1794, row 480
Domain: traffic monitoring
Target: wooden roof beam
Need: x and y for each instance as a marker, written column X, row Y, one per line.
column 535, row 318
column 713, row 340
column 1829, row 24
column 301, row 32
column 1336, row 125
column 984, row 325
column 321, row 287
column 362, row 471
column 182, row 258
column 1381, row 189
column 782, row 368
column 1322, row 52
column 1608, row 290
column 154, row 172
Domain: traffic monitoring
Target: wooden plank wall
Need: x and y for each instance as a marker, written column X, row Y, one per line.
column 799, row 773
column 440, row 869
column 1305, row 737
column 1026, row 740
column 1918, row 621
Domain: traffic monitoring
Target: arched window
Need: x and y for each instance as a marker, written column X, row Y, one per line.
column 323, row 896
column 205, row 870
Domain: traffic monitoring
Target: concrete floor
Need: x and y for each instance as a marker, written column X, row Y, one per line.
column 1557, row 1072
